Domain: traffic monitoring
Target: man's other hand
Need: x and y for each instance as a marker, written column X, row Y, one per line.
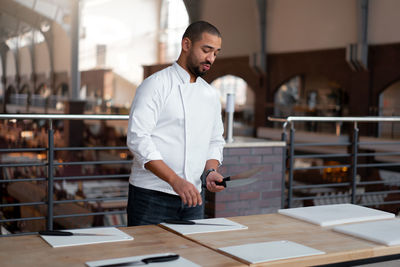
column 213, row 177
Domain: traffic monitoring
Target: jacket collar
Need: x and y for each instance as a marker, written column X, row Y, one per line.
column 182, row 73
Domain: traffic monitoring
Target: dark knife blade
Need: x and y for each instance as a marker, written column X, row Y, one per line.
column 166, row 258
column 243, row 175
column 66, row 233
column 187, row 222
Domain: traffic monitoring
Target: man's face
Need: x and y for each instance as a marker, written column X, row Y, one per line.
column 202, row 54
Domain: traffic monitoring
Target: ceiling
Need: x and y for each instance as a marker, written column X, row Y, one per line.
column 21, row 16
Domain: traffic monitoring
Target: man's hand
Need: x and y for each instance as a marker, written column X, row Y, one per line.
column 187, row 191
column 213, row 177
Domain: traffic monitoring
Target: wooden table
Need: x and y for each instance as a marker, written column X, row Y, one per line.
column 272, row 227
column 34, row 251
column 201, row 249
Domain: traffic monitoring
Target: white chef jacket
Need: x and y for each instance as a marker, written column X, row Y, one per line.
column 175, row 121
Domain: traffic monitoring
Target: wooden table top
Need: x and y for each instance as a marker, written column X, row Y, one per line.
column 201, row 249
column 34, row 251
column 272, row 227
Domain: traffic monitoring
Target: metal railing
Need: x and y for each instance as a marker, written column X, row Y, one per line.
column 23, row 102
column 51, row 164
column 354, row 158
column 293, row 191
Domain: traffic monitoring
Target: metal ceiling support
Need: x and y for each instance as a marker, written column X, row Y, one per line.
column 258, row 60
column 194, row 9
column 49, row 37
column 15, row 51
column 363, row 21
column 357, row 54
column 262, row 10
column 75, row 75
column 33, row 60
column 3, row 54
column 362, row 51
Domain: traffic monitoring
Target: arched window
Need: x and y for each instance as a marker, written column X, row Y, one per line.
column 62, row 90
column 173, row 22
column 10, row 96
column 23, row 96
column 24, row 89
column 244, row 102
column 41, row 89
column 389, row 105
column 286, row 97
column 312, row 95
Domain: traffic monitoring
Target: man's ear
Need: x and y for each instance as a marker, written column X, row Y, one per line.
column 186, row 44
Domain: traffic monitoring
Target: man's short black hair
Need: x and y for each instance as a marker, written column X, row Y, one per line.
column 196, row 29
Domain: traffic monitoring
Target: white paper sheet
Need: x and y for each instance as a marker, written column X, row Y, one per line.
column 181, row 262
column 385, row 232
column 198, row 229
column 113, row 235
column 270, row 251
column 328, row 215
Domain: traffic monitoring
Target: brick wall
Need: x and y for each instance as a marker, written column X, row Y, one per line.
column 261, row 196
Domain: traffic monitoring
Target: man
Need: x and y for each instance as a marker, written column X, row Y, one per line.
column 175, row 133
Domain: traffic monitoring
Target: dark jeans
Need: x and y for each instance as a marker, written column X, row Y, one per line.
column 153, row 207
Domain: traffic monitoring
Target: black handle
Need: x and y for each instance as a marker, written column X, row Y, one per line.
column 179, row 222
column 55, row 232
column 161, row 258
column 145, row 260
column 223, row 183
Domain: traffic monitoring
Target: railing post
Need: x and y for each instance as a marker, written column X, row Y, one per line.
column 50, row 182
column 291, row 164
column 284, row 167
column 354, row 144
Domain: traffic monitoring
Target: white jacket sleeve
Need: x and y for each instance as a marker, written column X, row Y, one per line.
column 217, row 141
column 143, row 118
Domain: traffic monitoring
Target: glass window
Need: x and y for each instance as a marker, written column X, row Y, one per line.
column 173, row 22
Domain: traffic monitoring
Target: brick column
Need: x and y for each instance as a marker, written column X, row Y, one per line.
column 260, row 197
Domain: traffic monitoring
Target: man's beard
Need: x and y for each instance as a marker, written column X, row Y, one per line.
column 195, row 70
